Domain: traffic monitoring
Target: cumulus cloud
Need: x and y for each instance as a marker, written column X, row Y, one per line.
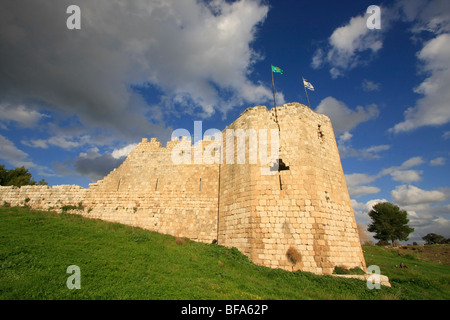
column 195, row 54
column 411, row 162
column 434, row 18
column 357, row 183
column 411, row 195
column 406, row 175
column 346, row 46
column 343, row 118
column 432, row 108
column 346, row 150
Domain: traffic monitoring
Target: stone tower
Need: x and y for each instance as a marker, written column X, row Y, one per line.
column 304, row 206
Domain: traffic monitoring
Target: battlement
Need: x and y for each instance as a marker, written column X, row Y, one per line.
column 227, row 191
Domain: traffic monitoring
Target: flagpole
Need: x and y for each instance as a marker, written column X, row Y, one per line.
column 274, row 101
column 278, row 125
column 273, row 89
column 306, row 92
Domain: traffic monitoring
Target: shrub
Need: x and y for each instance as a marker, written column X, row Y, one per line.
column 68, row 207
column 180, row 241
column 293, row 256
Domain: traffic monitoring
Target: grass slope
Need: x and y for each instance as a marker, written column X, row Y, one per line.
column 122, row 262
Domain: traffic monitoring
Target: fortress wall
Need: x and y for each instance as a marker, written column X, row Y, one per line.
column 43, row 197
column 305, row 208
column 148, row 190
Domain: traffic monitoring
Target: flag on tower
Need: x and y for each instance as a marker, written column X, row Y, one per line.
column 307, row 84
column 276, row 69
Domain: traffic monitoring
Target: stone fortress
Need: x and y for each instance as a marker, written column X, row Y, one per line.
column 303, row 206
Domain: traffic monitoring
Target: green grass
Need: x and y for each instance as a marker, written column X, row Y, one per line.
column 122, row 262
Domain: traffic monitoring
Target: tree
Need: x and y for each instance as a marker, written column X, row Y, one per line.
column 42, row 182
column 17, row 177
column 3, row 172
column 389, row 223
column 433, row 238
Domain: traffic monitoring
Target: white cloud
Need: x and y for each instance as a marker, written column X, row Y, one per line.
column 346, row 44
column 347, row 151
column 358, row 191
column 412, row 162
column 406, row 175
column 438, row 161
column 36, row 143
column 355, row 179
column 342, row 117
column 368, row 85
column 411, row 195
column 355, row 185
column 123, row 152
column 357, row 182
column 432, row 109
column 20, row 114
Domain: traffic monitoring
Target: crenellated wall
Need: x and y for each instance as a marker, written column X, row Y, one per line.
column 244, row 203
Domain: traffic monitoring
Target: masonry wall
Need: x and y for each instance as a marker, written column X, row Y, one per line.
column 304, row 208
column 146, row 191
column 151, row 192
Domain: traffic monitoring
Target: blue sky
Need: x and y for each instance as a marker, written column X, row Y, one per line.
column 73, row 103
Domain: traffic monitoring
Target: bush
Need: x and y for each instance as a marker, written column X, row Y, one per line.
column 72, row 207
column 293, row 255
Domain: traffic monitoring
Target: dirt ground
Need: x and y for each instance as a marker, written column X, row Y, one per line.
column 439, row 253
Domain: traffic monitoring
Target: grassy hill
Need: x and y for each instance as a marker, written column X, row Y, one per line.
column 122, row 262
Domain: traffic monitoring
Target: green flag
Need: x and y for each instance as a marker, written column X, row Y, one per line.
column 276, row 69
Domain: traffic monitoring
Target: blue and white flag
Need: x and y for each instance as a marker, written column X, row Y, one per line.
column 307, row 84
